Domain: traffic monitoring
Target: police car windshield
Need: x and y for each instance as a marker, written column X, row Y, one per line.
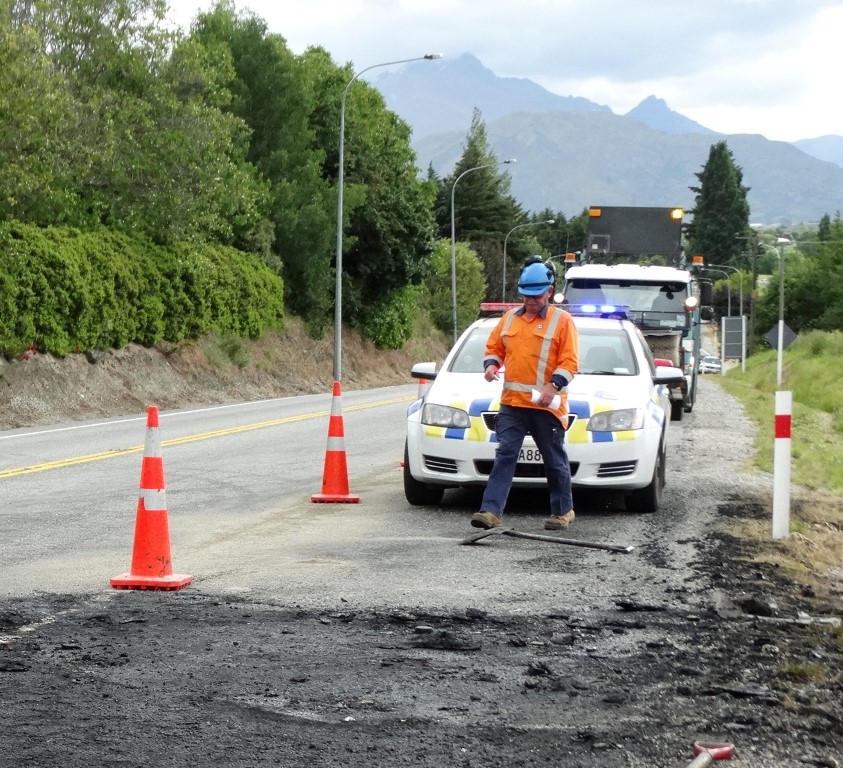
column 606, row 352
column 469, row 357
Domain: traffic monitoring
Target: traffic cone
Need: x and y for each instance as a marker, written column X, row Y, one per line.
column 335, row 474
column 151, row 564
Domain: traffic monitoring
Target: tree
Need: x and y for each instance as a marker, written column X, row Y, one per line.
column 471, row 286
column 388, row 224
column 273, row 98
column 484, row 208
column 813, row 289
column 721, row 209
column 133, row 115
column 824, row 228
column 38, row 122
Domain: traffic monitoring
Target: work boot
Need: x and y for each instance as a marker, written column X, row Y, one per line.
column 558, row 522
column 485, row 520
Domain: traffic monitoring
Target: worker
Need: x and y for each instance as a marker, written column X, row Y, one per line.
column 538, row 345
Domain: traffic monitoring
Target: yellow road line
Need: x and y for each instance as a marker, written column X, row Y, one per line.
column 74, row 460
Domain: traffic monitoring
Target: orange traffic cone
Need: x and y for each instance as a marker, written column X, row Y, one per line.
column 422, row 388
column 335, row 475
column 151, row 564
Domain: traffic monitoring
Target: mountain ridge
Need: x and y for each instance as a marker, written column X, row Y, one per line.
column 572, row 152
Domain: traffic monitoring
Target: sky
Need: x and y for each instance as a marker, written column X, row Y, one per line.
column 771, row 67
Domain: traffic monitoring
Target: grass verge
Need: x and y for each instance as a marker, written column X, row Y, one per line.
column 812, row 555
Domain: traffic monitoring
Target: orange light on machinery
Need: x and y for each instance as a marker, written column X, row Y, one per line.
column 570, row 258
column 698, row 261
column 677, row 213
column 595, row 213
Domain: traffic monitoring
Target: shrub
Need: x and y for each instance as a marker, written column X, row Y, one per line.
column 64, row 291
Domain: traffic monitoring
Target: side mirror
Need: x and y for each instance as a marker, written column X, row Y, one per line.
column 424, row 371
column 707, row 313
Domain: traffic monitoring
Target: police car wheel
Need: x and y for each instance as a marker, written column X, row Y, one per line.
column 419, row 494
column 647, row 500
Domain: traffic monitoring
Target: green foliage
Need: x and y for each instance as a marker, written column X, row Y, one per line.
column 813, row 288
column 437, row 299
column 275, row 98
column 721, row 209
column 141, row 165
column 483, row 204
column 804, row 673
column 476, row 198
column 390, row 322
column 388, row 227
column 70, row 291
column 108, row 118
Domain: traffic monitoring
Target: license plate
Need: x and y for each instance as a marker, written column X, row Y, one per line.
column 530, row 456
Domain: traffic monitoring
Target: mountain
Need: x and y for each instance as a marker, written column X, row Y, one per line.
column 568, row 161
column 440, row 96
column 828, row 148
column 655, row 113
column 572, row 152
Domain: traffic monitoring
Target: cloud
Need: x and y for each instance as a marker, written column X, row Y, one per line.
column 733, row 65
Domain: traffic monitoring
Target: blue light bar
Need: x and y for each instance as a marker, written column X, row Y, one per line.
column 618, row 311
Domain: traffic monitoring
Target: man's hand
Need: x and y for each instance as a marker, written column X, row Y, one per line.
column 491, row 372
column 546, row 395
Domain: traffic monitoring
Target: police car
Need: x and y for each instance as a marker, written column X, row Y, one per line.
column 619, row 414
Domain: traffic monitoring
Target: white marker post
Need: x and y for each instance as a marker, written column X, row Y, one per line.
column 781, row 466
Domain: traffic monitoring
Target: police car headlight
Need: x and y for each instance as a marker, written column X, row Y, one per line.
column 444, row 416
column 617, row 421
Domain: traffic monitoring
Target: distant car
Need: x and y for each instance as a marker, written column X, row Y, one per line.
column 710, row 364
column 619, row 412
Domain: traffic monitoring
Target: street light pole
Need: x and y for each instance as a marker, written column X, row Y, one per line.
column 454, row 239
column 517, row 226
column 740, row 284
column 729, row 293
column 340, row 181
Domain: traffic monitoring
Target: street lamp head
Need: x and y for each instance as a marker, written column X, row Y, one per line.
column 511, row 160
column 550, row 221
column 434, row 56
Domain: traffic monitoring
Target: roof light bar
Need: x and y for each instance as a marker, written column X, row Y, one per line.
column 618, row 311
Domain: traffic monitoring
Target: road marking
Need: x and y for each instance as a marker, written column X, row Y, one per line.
column 87, row 458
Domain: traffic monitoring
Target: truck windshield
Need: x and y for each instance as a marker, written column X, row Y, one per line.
column 659, row 305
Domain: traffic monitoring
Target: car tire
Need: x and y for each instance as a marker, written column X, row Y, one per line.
column 647, row 500
column 419, row 494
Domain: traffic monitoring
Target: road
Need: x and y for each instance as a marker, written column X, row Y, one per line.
column 365, row 634
column 239, row 482
column 70, row 491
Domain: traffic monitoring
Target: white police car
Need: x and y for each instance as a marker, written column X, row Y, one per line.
column 619, row 414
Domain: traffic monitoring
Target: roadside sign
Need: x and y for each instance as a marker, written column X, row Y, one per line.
column 733, row 334
column 772, row 336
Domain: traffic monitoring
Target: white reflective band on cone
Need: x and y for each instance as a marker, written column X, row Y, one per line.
column 153, row 500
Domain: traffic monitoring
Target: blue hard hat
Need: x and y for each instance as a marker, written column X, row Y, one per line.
column 535, row 279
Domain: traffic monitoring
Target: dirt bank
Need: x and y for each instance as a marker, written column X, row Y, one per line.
column 44, row 390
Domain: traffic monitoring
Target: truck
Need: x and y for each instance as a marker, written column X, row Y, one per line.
column 634, row 257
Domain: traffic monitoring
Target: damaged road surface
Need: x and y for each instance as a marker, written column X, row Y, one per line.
column 364, row 635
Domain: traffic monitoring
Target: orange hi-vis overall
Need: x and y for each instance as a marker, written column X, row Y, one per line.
column 534, row 350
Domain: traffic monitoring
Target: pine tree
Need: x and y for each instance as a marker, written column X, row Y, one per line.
column 721, row 211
